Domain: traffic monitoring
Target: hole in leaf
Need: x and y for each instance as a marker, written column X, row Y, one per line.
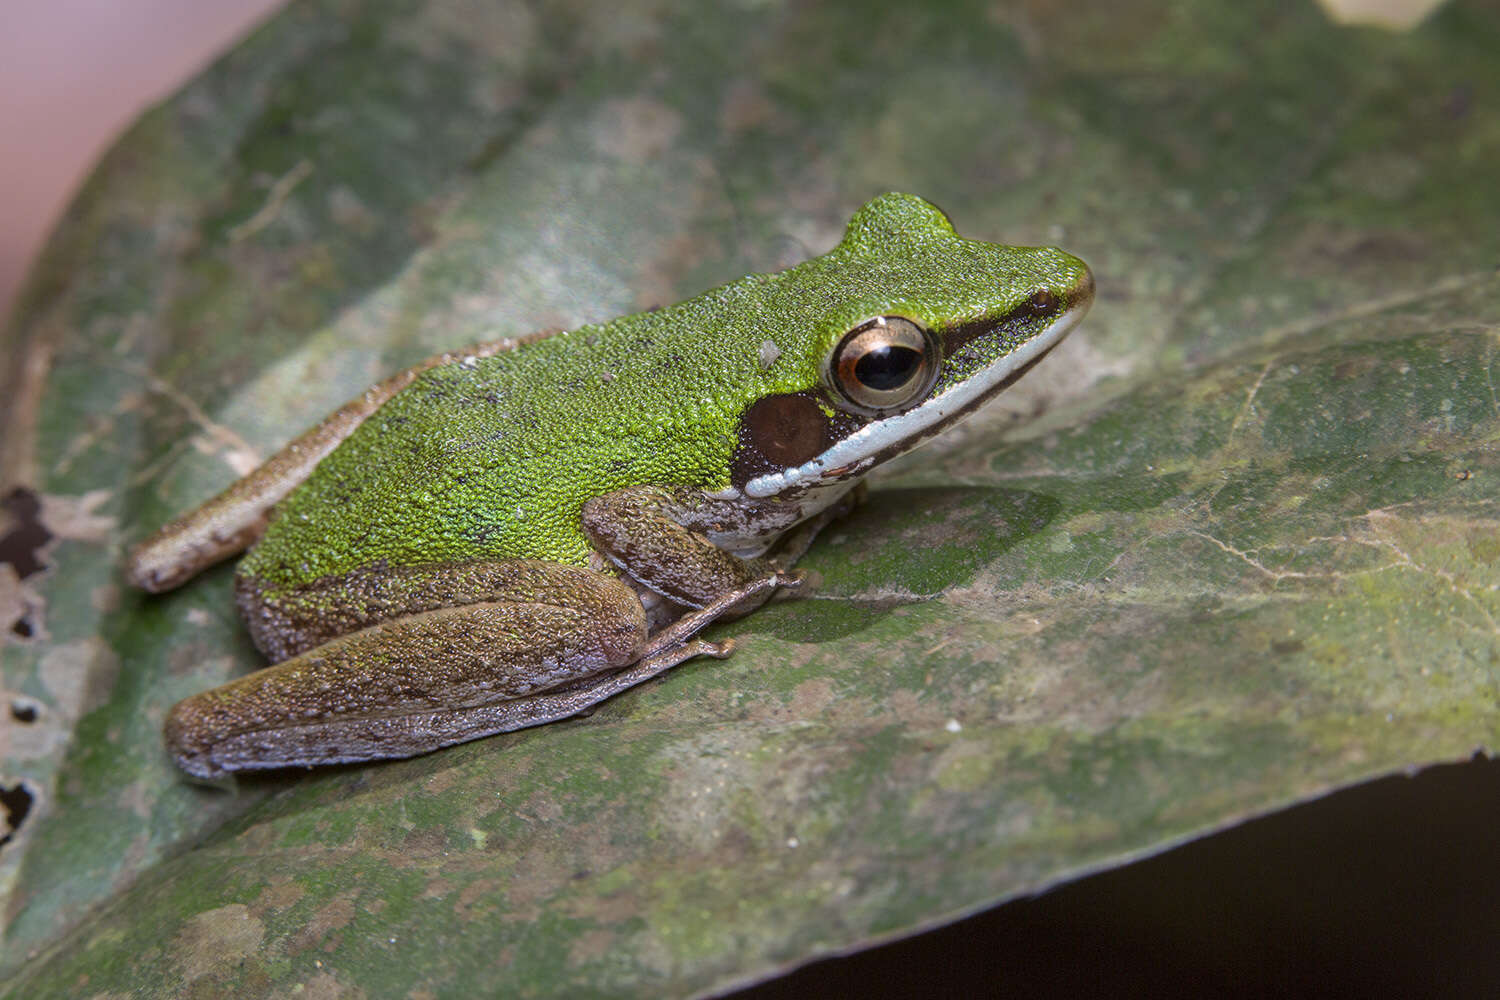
column 22, row 537
column 21, row 544
column 16, row 801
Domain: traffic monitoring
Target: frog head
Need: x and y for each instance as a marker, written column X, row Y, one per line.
column 901, row 330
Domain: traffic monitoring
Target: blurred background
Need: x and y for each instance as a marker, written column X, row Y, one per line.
column 73, row 74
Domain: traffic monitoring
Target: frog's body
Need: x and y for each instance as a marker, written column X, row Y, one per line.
column 494, row 457
column 670, row 450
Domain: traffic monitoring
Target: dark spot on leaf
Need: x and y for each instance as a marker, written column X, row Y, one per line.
column 16, row 800
column 1204, row 607
column 1285, row 647
column 1460, row 101
column 23, row 711
column 21, row 546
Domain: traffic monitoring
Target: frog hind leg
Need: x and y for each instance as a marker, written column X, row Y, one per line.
column 233, row 520
column 289, row 621
column 436, row 678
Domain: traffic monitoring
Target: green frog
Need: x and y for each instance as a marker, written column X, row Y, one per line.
column 508, row 534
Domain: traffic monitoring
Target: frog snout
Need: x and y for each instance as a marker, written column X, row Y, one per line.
column 1082, row 292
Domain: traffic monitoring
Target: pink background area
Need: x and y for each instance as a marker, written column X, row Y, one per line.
column 73, row 74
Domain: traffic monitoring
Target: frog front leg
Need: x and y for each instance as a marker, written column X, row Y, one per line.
column 434, row 678
column 662, row 539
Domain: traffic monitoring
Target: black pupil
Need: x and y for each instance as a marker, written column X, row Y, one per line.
column 889, row 366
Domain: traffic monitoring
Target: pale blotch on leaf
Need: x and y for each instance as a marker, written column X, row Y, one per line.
column 636, row 130
column 1395, row 15
column 217, row 941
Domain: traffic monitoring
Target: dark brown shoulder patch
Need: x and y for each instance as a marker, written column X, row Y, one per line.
column 780, row 432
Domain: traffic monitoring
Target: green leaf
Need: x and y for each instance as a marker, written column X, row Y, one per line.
column 1232, row 546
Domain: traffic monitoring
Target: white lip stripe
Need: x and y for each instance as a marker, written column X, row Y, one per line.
column 874, row 437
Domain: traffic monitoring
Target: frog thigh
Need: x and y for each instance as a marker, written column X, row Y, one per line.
column 234, row 519
column 287, row 622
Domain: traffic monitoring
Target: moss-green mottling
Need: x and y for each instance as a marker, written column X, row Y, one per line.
column 1257, row 562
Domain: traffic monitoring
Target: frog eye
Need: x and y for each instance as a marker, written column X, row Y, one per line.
column 884, row 366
